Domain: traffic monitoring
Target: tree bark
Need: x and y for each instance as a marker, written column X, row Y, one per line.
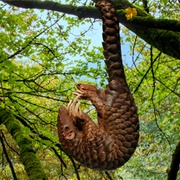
column 144, row 25
column 172, row 174
column 27, row 154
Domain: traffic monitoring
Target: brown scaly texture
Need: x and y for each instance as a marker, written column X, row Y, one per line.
column 112, row 141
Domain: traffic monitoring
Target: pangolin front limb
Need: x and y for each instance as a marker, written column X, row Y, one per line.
column 112, row 141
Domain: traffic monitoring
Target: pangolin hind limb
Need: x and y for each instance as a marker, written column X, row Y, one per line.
column 111, row 142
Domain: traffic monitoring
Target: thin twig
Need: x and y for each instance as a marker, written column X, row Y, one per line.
column 8, row 159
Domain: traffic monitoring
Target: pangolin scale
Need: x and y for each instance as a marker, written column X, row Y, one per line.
column 110, row 143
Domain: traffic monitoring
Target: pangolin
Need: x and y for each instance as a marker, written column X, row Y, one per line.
column 110, row 143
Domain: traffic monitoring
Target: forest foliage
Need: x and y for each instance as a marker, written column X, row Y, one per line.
column 44, row 53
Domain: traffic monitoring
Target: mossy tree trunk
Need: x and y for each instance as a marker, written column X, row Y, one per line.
column 27, row 154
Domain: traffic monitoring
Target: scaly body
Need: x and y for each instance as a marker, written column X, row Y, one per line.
column 111, row 142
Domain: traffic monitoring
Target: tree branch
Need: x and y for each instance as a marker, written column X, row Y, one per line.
column 144, row 25
column 172, row 174
column 150, row 22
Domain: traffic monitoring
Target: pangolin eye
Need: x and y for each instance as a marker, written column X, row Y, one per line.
column 66, row 127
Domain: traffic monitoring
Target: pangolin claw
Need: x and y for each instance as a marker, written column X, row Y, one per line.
column 78, row 93
column 73, row 107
